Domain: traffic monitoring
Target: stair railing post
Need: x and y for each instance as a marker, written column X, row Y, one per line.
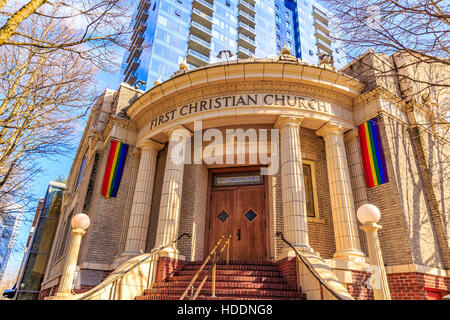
column 228, row 251
column 297, row 268
column 214, row 276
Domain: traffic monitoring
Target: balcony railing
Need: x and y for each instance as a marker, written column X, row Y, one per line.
column 247, row 39
column 247, row 16
column 202, row 28
column 246, row 51
column 324, row 46
column 247, row 28
column 319, row 32
column 206, row 4
column 198, row 55
column 321, row 26
column 202, row 14
column 200, row 41
column 318, row 14
column 247, row 6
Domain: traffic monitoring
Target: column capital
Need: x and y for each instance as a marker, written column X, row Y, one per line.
column 285, row 120
column 332, row 128
column 78, row 232
column 150, row 145
column 351, row 135
column 368, row 227
column 179, row 131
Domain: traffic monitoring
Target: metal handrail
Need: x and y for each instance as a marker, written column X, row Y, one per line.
column 120, row 275
column 314, row 273
column 212, row 268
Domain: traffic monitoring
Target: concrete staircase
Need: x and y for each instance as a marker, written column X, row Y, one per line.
column 236, row 281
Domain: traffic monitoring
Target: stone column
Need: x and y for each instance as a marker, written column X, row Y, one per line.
column 169, row 210
column 293, row 186
column 70, row 265
column 142, row 199
column 346, row 232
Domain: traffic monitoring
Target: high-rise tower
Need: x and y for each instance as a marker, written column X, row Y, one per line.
column 167, row 31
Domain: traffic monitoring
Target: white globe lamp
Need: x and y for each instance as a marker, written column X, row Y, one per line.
column 81, row 221
column 368, row 213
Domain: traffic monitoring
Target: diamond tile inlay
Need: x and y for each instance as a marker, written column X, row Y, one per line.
column 223, row 216
column 251, row 215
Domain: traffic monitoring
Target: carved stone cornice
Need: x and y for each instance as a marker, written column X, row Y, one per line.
column 120, row 122
column 378, row 92
column 191, row 95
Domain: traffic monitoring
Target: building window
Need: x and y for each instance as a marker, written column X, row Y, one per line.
column 310, row 189
column 80, row 172
column 279, row 48
column 228, row 3
column 278, row 27
column 276, row 7
column 278, row 37
column 177, row 13
column 65, row 236
column 277, row 18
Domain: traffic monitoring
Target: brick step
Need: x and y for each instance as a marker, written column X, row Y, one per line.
column 232, row 278
column 227, row 292
column 237, row 262
column 236, row 273
column 224, row 284
column 300, row 296
column 272, row 268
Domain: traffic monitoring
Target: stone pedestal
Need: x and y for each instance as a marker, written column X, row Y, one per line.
column 70, row 265
column 380, row 284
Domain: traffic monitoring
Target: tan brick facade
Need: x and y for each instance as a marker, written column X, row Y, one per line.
column 413, row 204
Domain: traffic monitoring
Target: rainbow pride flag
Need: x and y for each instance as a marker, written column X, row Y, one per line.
column 114, row 168
column 372, row 154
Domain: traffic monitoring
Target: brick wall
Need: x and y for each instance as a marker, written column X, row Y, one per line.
column 288, row 268
column 321, row 233
column 166, row 268
column 358, row 288
column 103, row 236
column 394, row 238
column 412, row 286
column 193, row 211
column 408, row 232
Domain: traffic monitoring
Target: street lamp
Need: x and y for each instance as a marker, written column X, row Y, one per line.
column 79, row 223
column 369, row 216
column 228, row 54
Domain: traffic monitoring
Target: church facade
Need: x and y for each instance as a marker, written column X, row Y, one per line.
column 264, row 149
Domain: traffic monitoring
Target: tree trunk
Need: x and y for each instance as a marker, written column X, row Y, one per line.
column 17, row 18
column 2, row 4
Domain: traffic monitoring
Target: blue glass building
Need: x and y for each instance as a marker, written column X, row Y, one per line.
column 10, row 221
column 165, row 32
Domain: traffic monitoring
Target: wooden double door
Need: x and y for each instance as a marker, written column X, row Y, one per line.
column 241, row 212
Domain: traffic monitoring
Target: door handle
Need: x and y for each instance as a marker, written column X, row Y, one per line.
column 239, row 234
